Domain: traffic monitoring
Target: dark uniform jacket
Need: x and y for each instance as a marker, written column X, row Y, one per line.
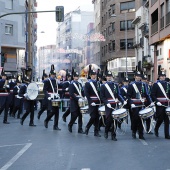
column 134, row 98
column 157, row 94
column 91, row 95
column 65, row 85
column 74, row 95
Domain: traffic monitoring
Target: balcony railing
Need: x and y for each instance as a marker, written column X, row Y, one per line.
column 153, row 2
column 162, row 23
column 168, row 18
column 154, row 28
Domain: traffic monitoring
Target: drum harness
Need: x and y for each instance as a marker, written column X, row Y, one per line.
column 142, row 100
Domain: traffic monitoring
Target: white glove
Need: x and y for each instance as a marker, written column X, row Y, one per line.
column 152, row 104
column 66, row 89
column 18, row 91
column 93, row 104
column 133, row 105
column 159, row 104
column 7, row 86
column 109, row 105
column 18, row 97
column 125, row 102
column 25, row 95
column 49, row 98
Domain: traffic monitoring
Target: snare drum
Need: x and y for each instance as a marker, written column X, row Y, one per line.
column 119, row 114
column 66, row 103
column 84, row 110
column 146, row 113
column 167, row 111
column 102, row 111
column 56, row 102
column 81, row 102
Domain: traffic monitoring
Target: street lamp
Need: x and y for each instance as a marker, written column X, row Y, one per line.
column 113, row 15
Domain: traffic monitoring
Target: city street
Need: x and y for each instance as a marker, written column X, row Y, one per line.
column 38, row 148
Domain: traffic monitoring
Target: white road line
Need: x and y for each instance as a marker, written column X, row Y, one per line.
column 143, row 142
column 85, row 169
column 20, row 153
column 12, row 145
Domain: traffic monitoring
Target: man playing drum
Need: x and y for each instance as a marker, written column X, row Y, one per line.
column 110, row 94
column 93, row 101
column 160, row 94
column 137, row 95
column 50, row 90
column 76, row 93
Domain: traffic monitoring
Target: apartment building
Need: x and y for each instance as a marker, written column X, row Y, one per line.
column 159, row 35
column 117, row 52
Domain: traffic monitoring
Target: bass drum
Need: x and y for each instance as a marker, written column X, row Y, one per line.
column 32, row 91
column 41, row 93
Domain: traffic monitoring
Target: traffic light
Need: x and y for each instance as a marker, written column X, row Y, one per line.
column 59, row 13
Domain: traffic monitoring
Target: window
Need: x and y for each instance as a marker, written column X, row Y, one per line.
column 110, row 47
column 9, row 4
column 129, row 26
column 167, row 6
column 109, row 12
column 129, row 44
column 113, row 45
column 127, row 6
column 113, row 26
column 8, row 29
column 113, row 9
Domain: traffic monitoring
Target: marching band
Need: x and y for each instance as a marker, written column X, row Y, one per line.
column 106, row 103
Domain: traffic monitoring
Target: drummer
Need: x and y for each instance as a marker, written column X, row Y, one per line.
column 110, row 94
column 161, row 94
column 28, row 104
column 93, row 98
column 50, row 90
column 137, row 95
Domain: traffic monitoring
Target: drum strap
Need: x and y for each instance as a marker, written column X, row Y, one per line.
column 163, row 90
column 137, row 90
column 78, row 90
column 125, row 89
column 52, row 86
column 110, row 91
column 94, row 89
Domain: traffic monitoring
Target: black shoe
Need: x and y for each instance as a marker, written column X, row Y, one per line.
column 141, row 137
column 6, row 122
column 21, row 121
column 81, row 131
column 150, row 133
column 133, row 135
column 113, row 138
column 86, row 131
column 32, row 124
column 167, row 137
column 97, row 134
column 70, row 129
column 38, row 116
column 45, row 124
column 64, row 119
column 106, row 135
column 56, row 128
column 156, row 133
column 51, row 120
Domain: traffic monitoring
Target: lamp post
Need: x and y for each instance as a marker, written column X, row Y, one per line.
column 113, row 15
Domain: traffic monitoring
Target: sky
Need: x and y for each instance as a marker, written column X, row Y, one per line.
column 47, row 25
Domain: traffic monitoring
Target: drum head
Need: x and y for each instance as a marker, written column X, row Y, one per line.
column 144, row 111
column 102, row 108
column 168, row 109
column 32, row 91
column 119, row 111
column 84, row 108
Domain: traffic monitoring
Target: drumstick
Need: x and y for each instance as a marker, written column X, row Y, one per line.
column 123, row 104
column 148, row 106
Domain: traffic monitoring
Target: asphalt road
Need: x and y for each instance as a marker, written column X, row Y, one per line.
column 38, row 148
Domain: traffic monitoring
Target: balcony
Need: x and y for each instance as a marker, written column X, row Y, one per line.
column 154, row 28
column 168, row 18
column 162, row 23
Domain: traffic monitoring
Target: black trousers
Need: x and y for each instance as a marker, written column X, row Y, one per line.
column 18, row 108
column 74, row 115
column 67, row 112
column 29, row 109
column 54, row 112
column 43, row 108
column 94, row 119
column 160, row 118
column 136, row 121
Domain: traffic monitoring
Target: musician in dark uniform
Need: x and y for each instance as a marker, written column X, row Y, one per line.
column 148, row 121
column 4, row 93
column 18, row 101
column 160, row 95
column 123, row 92
column 76, row 92
column 92, row 95
column 28, row 104
column 110, row 94
column 44, row 102
column 51, row 93
column 137, row 95
column 66, row 94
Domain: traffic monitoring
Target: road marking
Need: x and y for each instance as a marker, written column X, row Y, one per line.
column 85, row 169
column 12, row 145
column 143, row 142
column 14, row 159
